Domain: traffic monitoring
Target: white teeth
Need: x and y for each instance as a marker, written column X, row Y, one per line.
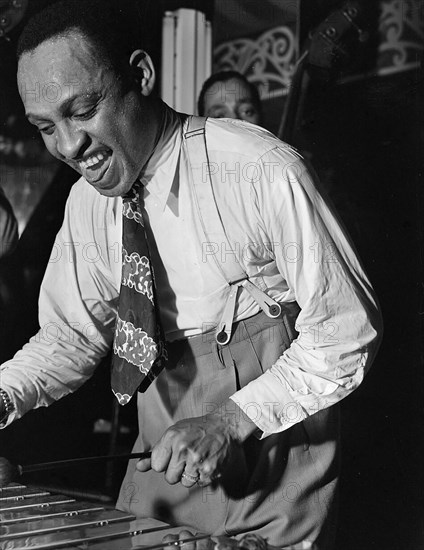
column 91, row 161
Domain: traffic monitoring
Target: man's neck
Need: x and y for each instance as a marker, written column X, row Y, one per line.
column 170, row 123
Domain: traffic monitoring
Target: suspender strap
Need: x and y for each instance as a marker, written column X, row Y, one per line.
column 205, row 200
column 215, row 234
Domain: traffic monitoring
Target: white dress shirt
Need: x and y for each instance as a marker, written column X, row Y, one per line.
column 289, row 243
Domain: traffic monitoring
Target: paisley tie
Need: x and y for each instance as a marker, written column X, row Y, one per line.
column 138, row 348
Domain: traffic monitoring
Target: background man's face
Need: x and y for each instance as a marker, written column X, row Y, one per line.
column 231, row 99
column 85, row 115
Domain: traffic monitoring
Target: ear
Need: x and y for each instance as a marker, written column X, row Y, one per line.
column 142, row 66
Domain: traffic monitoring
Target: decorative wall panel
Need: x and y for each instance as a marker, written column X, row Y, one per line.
column 267, row 61
column 401, row 28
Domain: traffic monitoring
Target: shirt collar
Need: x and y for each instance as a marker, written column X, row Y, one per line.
column 158, row 174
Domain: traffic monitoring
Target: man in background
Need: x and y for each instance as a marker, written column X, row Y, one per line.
column 228, row 94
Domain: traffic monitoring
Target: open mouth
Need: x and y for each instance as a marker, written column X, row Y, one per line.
column 94, row 167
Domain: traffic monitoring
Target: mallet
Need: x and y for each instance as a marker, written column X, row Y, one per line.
column 10, row 472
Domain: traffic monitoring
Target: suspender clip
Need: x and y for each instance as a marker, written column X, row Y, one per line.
column 223, row 332
column 270, row 307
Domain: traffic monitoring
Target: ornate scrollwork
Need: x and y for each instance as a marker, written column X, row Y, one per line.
column 401, row 27
column 267, row 61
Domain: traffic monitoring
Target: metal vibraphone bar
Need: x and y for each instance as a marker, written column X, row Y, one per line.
column 38, row 519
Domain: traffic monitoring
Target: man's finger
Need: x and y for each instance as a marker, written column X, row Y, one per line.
column 144, row 465
column 170, row 538
column 171, row 457
column 184, row 534
column 161, row 455
column 179, row 537
column 204, row 479
column 189, row 477
column 175, row 469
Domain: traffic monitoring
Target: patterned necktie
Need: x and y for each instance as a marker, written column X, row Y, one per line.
column 138, row 347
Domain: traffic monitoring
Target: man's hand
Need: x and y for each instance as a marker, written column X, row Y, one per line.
column 196, row 450
column 192, row 450
column 250, row 541
column 176, row 541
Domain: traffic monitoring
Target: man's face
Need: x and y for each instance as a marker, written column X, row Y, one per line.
column 87, row 118
column 231, row 99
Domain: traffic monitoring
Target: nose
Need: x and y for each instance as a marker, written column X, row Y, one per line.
column 70, row 141
column 231, row 112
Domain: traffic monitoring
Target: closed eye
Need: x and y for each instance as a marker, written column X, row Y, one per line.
column 86, row 114
column 48, row 130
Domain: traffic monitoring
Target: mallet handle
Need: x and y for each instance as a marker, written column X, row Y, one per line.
column 24, row 469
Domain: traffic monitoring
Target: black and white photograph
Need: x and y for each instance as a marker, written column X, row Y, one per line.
column 212, row 274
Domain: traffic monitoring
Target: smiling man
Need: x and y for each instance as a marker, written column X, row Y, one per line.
column 88, row 117
column 242, row 419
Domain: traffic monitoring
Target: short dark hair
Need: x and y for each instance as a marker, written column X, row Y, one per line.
column 103, row 22
column 224, row 76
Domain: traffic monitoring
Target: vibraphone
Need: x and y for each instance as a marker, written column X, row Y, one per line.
column 31, row 518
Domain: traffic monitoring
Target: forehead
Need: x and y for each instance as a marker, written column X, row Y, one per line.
column 229, row 90
column 58, row 64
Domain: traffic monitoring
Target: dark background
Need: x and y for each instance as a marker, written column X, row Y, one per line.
column 365, row 140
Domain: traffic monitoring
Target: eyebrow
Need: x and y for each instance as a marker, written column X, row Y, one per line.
column 65, row 106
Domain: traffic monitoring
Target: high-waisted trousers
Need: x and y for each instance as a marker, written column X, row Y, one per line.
column 282, row 487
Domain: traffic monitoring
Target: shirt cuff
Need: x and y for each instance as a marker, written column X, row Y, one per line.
column 269, row 405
